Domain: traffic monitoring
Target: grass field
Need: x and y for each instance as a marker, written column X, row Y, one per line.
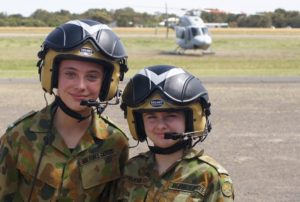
column 238, row 52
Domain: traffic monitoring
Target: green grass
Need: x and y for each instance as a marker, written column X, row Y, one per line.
column 18, row 56
column 239, row 54
column 233, row 56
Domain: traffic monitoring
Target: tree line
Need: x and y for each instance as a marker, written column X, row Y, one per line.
column 128, row 17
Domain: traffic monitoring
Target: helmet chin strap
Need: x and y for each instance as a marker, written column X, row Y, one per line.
column 69, row 111
column 172, row 149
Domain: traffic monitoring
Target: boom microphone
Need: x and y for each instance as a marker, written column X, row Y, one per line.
column 173, row 135
column 89, row 103
column 176, row 136
column 100, row 106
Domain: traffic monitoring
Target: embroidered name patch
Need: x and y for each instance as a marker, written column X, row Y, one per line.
column 137, row 180
column 95, row 156
column 188, row 188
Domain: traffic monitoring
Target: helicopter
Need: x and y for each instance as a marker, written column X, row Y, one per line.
column 192, row 33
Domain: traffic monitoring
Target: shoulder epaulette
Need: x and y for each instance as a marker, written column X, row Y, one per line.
column 213, row 163
column 144, row 154
column 141, row 155
column 109, row 121
column 19, row 120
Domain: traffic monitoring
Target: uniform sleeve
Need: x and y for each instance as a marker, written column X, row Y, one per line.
column 124, row 157
column 8, row 169
column 120, row 186
column 221, row 189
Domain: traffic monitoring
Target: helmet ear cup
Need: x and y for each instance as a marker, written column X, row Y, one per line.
column 40, row 63
column 47, row 70
column 141, row 135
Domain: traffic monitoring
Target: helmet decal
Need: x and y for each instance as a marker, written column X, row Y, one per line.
column 159, row 77
column 91, row 29
column 157, row 102
column 86, row 51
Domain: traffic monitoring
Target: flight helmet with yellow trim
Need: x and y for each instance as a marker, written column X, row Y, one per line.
column 85, row 40
column 166, row 88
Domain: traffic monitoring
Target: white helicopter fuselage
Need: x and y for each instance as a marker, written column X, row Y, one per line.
column 192, row 33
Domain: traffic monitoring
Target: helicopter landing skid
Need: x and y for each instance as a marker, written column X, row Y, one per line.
column 208, row 52
column 181, row 51
column 178, row 51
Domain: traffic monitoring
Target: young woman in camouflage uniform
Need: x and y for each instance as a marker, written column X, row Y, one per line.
column 68, row 151
column 168, row 108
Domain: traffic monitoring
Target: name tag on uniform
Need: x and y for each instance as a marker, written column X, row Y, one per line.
column 137, row 180
column 95, row 156
column 200, row 189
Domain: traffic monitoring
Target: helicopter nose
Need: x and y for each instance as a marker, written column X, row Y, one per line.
column 202, row 42
column 208, row 40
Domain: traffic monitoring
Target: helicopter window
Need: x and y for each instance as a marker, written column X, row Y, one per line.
column 182, row 35
column 195, row 31
column 204, row 30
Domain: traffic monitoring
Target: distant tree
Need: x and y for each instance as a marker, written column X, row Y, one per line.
column 145, row 20
column 30, row 22
column 60, row 17
column 127, row 17
column 124, row 17
column 44, row 16
column 293, row 19
column 255, row 21
column 279, row 18
column 294, row 22
column 232, row 19
column 101, row 15
column 3, row 22
column 16, row 16
column 2, row 15
column 214, row 17
column 40, row 14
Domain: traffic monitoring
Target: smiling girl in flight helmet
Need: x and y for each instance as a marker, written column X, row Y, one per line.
column 66, row 152
column 168, row 108
column 84, row 40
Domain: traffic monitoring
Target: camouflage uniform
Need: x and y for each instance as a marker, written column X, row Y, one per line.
column 88, row 173
column 193, row 178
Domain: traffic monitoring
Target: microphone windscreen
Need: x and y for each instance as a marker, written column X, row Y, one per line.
column 172, row 135
column 84, row 102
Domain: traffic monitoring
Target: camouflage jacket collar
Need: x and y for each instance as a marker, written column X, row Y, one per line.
column 96, row 132
column 192, row 153
column 187, row 155
column 41, row 122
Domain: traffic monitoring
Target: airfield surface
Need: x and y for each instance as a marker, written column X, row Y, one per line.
column 255, row 131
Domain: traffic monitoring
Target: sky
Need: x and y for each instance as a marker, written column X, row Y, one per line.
column 27, row 7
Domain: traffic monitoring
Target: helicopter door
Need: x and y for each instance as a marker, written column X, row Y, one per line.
column 188, row 34
column 180, row 32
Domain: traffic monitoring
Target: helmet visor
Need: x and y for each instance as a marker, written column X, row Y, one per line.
column 174, row 84
column 73, row 33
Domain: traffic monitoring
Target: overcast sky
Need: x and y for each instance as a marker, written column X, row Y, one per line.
column 27, row 7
